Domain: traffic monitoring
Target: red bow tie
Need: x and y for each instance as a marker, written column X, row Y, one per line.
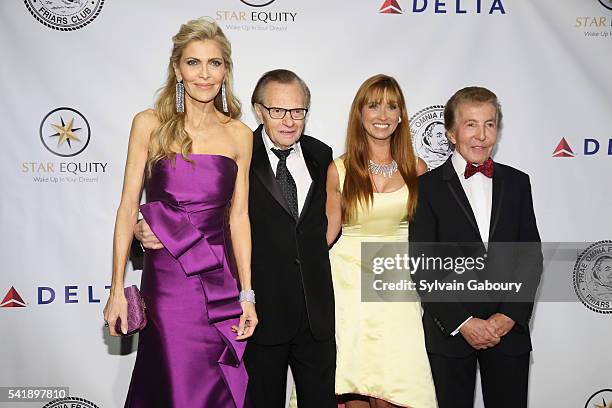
column 486, row 168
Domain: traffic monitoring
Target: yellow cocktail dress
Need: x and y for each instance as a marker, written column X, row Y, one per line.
column 381, row 345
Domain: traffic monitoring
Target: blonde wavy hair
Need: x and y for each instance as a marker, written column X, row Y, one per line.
column 171, row 131
column 357, row 188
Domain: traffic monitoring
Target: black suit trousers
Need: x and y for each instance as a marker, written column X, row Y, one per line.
column 504, row 379
column 313, row 365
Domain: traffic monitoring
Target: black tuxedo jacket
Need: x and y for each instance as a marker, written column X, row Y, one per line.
column 444, row 215
column 290, row 269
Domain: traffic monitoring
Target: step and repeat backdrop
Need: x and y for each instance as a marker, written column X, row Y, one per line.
column 75, row 72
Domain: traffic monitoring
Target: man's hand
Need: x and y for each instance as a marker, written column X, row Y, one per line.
column 147, row 238
column 248, row 321
column 480, row 334
column 502, row 323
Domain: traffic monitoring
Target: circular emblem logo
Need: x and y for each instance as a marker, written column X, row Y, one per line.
column 606, row 3
column 63, row 402
column 601, row 399
column 593, row 277
column 65, row 15
column 65, row 132
column 258, row 3
column 429, row 136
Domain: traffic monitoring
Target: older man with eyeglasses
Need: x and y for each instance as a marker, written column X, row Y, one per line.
column 291, row 272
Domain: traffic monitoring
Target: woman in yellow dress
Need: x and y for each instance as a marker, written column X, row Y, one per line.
column 371, row 196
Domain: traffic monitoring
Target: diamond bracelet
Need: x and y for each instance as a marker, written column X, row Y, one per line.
column 247, row 296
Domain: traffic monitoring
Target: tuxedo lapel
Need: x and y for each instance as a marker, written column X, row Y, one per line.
column 452, row 181
column 260, row 165
column 313, row 167
column 497, row 199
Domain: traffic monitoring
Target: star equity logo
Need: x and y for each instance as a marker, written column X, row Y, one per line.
column 563, row 149
column 601, row 399
column 65, row 132
column 258, row 3
column 603, row 404
column 390, row 7
column 12, row 299
column 606, row 3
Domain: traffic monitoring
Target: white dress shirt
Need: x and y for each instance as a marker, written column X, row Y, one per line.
column 296, row 166
column 479, row 192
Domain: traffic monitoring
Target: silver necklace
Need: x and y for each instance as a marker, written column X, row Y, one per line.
column 386, row 170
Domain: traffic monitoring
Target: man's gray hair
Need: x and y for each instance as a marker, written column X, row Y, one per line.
column 282, row 76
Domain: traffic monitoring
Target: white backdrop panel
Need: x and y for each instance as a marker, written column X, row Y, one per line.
column 553, row 81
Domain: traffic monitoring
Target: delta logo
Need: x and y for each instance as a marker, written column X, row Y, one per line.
column 563, row 149
column 68, row 294
column 390, row 7
column 590, row 147
column 444, row 7
column 13, row 299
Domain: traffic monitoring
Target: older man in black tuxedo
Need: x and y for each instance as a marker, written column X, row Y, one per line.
column 476, row 208
column 291, row 273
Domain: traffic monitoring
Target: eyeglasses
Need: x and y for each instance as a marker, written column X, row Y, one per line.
column 279, row 113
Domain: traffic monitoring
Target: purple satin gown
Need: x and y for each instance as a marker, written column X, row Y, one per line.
column 187, row 354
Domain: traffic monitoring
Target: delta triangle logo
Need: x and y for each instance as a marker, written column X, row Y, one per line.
column 12, row 299
column 390, row 7
column 563, row 149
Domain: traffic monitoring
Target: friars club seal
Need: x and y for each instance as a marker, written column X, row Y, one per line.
column 65, row 15
column 70, row 402
column 593, row 277
column 429, row 136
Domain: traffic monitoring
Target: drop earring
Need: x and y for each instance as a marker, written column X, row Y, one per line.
column 180, row 96
column 224, row 98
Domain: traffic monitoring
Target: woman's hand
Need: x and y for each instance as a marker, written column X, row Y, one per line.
column 248, row 321
column 116, row 307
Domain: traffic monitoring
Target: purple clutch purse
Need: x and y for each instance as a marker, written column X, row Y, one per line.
column 137, row 318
